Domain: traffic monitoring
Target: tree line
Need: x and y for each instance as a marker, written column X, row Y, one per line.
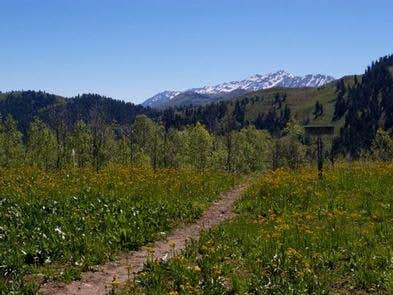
column 148, row 143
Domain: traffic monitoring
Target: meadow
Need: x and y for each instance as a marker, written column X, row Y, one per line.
column 294, row 234
column 56, row 224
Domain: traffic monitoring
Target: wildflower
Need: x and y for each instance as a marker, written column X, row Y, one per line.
column 150, row 250
column 60, row 232
column 291, row 252
column 165, row 257
column 115, row 281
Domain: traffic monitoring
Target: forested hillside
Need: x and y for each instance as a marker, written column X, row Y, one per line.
column 365, row 107
column 267, row 109
column 25, row 106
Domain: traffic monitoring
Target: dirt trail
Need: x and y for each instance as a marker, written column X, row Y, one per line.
column 100, row 282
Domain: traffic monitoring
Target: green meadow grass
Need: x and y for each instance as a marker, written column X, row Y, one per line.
column 294, row 235
column 60, row 223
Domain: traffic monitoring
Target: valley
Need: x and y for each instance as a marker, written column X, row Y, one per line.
column 99, row 195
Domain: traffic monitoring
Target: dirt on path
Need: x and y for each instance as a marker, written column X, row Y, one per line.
column 123, row 270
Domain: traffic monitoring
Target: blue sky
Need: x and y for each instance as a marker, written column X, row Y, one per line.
column 133, row 49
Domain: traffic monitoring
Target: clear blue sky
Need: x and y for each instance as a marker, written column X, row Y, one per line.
column 133, row 49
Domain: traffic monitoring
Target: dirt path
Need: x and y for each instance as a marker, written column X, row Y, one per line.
column 100, row 282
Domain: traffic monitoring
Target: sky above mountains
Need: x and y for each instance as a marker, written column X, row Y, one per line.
column 133, row 49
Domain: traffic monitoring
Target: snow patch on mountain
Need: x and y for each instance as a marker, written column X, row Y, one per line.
column 258, row 82
column 160, row 98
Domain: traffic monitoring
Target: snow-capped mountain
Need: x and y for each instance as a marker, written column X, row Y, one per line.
column 160, row 98
column 253, row 83
column 258, row 82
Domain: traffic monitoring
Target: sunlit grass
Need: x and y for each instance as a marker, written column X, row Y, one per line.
column 60, row 223
column 295, row 235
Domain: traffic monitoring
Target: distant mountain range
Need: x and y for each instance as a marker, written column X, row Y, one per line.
column 228, row 90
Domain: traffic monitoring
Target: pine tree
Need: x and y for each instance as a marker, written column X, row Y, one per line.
column 318, row 110
column 382, row 146
column 340, row 106
column 239, row 114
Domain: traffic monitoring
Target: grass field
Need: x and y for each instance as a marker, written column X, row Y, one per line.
column 58, row 224
column 294, row 235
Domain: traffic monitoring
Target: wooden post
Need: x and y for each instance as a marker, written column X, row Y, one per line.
column 319, row 131
column 320, row 156
column 332, row 153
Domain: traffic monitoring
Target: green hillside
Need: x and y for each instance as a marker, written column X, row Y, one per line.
column 266, row 109
column 300, row 101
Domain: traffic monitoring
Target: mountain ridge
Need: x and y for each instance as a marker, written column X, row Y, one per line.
column 232, row 89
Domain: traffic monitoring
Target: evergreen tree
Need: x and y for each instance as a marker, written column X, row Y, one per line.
column 318, row 110
column 277, row 101
column 382, row 147
column 340, row 106
column 239, row 114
